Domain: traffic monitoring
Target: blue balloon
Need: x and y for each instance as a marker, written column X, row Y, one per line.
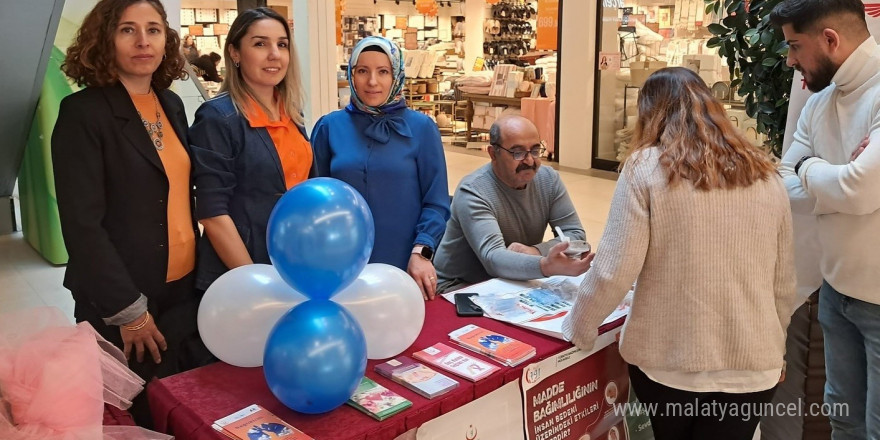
column 320, row 236
column 315, row 357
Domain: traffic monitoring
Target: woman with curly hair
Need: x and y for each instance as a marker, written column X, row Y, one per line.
column 701, row 220
column 122, row 178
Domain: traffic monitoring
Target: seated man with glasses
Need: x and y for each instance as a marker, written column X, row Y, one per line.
column 500, row 213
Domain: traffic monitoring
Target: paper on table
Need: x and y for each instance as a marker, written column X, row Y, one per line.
column 542, row 316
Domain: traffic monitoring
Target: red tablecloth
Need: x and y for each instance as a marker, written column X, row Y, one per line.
column 186, row 404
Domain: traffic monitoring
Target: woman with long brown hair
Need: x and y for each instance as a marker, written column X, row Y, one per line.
column 701, row 221
column 249, row 144
column 122, row 179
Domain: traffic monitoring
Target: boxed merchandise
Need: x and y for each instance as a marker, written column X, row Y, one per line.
column 478, row 122
column 641, row 70
column 417, row 377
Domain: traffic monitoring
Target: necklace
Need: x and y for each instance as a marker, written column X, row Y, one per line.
column 154, row 129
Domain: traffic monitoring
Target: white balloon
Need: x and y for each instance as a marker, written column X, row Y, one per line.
column 239, row 310
column 388, row 305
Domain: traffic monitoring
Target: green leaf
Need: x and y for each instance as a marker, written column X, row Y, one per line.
column 769, row 62
column 754, row 38
column 717, row 29
column 767, row 37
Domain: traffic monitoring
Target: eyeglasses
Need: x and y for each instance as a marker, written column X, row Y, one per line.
column 521, row 154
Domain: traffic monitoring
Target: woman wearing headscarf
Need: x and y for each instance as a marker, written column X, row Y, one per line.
column 701, row 220
column 393, row 156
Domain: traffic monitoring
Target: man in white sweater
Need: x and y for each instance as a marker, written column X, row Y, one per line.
column 830, row 173
column 501, row 211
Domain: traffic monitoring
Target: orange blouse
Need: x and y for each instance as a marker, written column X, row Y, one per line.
column 293, row 149
column 175, row 160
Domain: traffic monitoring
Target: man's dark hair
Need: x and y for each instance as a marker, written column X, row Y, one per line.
column 805, row 15
column 495, row 135
column 215, row 57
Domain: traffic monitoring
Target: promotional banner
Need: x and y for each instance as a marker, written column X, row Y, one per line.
column 495, row 416
column 806, row 242
column 547, row 24
column 572, row 395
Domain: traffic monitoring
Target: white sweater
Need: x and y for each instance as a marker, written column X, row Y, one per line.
column 844, row 195
column 715, row 273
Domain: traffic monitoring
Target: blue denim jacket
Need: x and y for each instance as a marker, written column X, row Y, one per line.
column 237, row 171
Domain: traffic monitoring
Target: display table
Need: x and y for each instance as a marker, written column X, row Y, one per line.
column 186, row 404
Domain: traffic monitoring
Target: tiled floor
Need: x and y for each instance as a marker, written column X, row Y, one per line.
column 27, row 280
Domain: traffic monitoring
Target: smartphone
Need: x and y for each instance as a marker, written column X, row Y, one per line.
column 465, row 307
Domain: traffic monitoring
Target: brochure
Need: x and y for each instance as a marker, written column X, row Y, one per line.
column 455, row 362
column 417, row 377
column 255, row 422
column 504, row 349
column 377, row 401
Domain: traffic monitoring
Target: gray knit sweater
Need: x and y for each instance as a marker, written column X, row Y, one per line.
column 715, row 273
column 488, row 215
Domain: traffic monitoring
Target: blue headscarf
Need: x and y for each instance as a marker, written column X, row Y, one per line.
column 380, row 129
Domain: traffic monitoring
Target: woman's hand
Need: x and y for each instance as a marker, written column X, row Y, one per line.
column 142, row 334
column 422, row 271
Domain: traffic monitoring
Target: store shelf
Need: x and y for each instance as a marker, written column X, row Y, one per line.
column 493, row 100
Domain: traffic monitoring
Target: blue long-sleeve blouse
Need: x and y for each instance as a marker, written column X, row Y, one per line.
column 403, row 180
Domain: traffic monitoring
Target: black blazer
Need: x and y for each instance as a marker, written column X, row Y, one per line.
column 112, row 197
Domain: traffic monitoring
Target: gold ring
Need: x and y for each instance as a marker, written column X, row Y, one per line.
column 432, row 278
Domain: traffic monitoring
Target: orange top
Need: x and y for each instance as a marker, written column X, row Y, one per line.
column 175, row 160
column 293, row 149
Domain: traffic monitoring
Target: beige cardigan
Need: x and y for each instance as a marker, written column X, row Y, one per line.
column 715, row 273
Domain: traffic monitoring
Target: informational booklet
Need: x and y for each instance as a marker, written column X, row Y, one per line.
column 504, row 349
column 377, row 401
column 455, row 362
column 255, row 422
column 522, row 305
column 417, row 377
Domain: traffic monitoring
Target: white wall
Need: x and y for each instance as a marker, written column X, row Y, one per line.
column 475, row 14
column 576, row 94
column 314, row 33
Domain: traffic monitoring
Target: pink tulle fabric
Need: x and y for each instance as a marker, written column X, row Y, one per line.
column 55, row 378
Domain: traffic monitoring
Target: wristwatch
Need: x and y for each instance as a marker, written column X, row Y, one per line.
column 423, row 251
column 797, row 166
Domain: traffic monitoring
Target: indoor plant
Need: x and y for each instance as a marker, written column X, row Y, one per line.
column 755, row 52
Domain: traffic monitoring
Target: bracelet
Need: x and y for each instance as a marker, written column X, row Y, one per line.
column 134, row 328
column 797, row 166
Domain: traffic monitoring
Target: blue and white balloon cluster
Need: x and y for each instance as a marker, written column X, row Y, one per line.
column 313, row 350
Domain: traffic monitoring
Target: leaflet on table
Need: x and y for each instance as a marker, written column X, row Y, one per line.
column 417, row 377
column 455, row 362
column 257, row 422
column 377, row 401
column 504, row 349
column 539, row 305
